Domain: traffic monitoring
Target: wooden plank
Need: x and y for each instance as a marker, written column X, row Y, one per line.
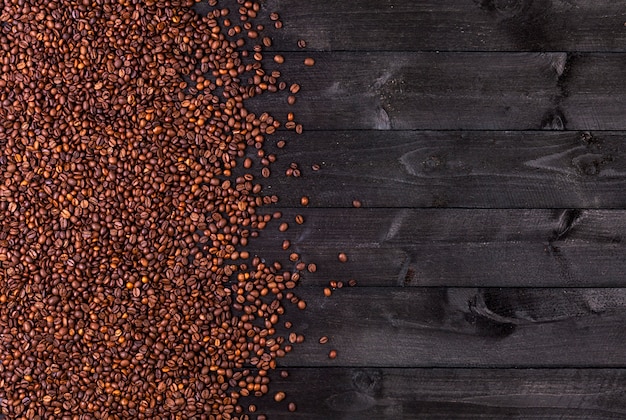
column 391, row 90
column 454, row 169
column 383, row 393
column 453, row 247
column 447, row 91
column 461, row 327
column 451, row 25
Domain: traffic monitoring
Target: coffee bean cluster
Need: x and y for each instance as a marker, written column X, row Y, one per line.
column 126, row 203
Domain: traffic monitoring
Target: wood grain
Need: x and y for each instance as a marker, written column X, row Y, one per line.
column 454, row 169
column 453, row 247
column 454, row 90
column 384, row 393
column 451, row 25
column 461, row 327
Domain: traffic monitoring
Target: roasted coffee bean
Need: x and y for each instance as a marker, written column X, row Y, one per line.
column 309, row 61
column 130, row 192
column 342, row 257
column 332, row 354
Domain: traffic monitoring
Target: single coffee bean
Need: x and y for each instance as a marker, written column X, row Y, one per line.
column 299, row 219
column 342, row 257
column 309, row 61
column 323, row 340
column 332, row 354
column 279, row 396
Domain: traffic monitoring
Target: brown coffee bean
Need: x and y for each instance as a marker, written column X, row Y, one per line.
column 279, row 396
column 309, row 61
column 327, row 292
column 352, row 283
column 291, row 407
column 312, row 268
column 291, row 100
column 299, row 219
column 283, row 227
column 323, row 340
column 286, row 244
column 356, row 204
column 332, row 354
column 301, row 43
column 342, row 257
column 144, row 181
column 304, row 200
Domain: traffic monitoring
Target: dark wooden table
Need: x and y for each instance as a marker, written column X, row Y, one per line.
column 486, row 141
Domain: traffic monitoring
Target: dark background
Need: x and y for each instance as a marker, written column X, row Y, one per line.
column 486, row 141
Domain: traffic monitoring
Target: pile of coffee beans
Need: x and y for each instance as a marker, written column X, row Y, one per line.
column 126, row 203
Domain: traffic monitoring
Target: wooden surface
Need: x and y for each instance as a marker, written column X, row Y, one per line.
column 485, row 140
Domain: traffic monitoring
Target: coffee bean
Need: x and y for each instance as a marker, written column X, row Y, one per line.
column 129, row 153
column 342, row 257
column 323, row 340
column 301, row 43
column 356, row 204
column 309, row 61
column 283, row 227
column 332, row 354
column 304, row 200
column 299, row 219
column 279, row 396
column 327, row 292
column 291, row 407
